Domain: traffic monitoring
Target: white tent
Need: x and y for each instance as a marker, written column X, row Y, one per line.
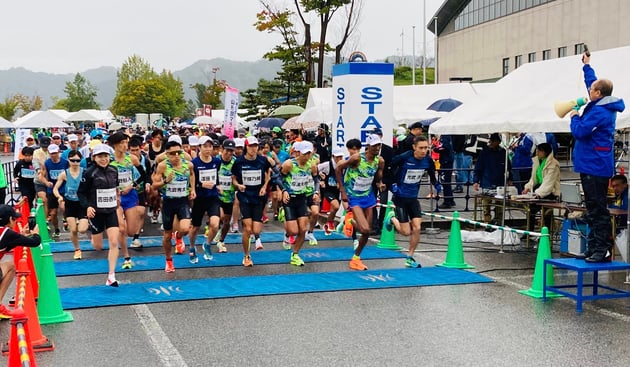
column 40, row 120
column 524, row 99
column 85, row 115
column 61, row 113
column 5, row 124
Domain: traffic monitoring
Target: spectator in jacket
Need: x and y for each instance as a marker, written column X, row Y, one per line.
column 489, row 173
column 544, row 182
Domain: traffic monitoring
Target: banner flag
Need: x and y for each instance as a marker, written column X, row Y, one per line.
column 231, row 108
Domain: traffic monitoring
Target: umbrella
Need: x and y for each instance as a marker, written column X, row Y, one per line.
column 287, row 111
column 270, row 122
column 444, row 105
column 428, row 122
column 314, row 116
column 291, row 124
column 207, row 120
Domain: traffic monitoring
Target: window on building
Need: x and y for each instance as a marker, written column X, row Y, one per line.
column 506, row 66
column 531, row 57
column 518, row 61
column 546, row 54
column 562, row 51
column 579, row 48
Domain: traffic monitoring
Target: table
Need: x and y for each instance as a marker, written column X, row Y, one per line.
column 581, row 267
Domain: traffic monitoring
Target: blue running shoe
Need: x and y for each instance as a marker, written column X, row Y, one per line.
column 388, row 222
column 207, row 252
column 193, row 255
column 410, row 262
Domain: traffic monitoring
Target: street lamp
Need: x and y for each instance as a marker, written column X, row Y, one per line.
column 413, row 63
column 214, row 72
column 436, row 51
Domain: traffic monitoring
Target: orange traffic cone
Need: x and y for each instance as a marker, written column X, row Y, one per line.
column 20, row 349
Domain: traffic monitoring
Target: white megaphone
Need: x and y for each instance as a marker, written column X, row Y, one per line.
column 562, row 108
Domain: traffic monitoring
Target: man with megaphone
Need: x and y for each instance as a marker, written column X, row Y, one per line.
column 594, row 159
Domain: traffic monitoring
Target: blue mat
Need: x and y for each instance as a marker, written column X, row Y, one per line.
column 197, row 289
column 156, row 241
column 265, row 257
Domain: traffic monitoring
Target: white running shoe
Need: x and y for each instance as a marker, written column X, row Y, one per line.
column 136, row 243
column 259, row 245
column 310, row 236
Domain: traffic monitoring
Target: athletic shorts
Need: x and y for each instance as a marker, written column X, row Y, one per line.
column 362, row 202
column 330, row 195
column 130, row 200
column 142, row 199
column 53, row 203
column 101, row 222
column 406, row 209
column 310, row 201
column 228, row 208
column 174, row 207
column 40, row 187
column 295, row 208
column 201, row 206
column 253, row 211
column 74, row 210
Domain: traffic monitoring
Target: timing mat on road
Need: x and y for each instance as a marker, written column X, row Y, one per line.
column 213, row 288
column 264, row 257
column 156, row 241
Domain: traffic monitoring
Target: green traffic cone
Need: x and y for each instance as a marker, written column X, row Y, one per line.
column 49, row 306
column 42, row 224
column 455, row 251
column 544, row 253
column 388, row 237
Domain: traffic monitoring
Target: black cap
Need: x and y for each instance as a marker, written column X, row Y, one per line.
column 7, row 212
column 44, row 142
column 215, row 143
column 229, row 144
column 416, row 125
column 377, row 131
column 495, row 137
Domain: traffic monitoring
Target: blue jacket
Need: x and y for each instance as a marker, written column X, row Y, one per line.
column 594, row 133
column 522, row 158
column 490, row 168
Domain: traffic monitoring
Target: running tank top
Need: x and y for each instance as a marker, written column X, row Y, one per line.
column 297, row 181
column 179, row 187
column 358, row 180
column 125, row 171
column 72, row 185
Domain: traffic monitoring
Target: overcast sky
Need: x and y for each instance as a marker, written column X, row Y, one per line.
column 69, row 36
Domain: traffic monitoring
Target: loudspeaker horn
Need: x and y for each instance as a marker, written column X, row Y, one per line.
column 562, row 108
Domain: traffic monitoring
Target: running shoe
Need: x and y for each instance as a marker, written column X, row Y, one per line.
column 56, row 233
column 235, row 228
column 339, row 228
column 154, row 220
column 5, row 313
column 388, row 222
column 207, row 252
column 127, row 264
column 169, row 268
column 221, row 247
column 281, row 214
column 292, row 240
column 310, row 236
column 348, row 227
column 180, row 247
column 286, row 244
column 275, row 216
column 357, row 264
column 247, row 261
column 77, row 255
column 193, row 256
column 296, row 260
column 410, row 262
column 259, row 245
column 265, row 219
column 206, row 230
column 111, row 283
column 329, row 227
column 355, row 244
column 65, row 225
column 136, row 244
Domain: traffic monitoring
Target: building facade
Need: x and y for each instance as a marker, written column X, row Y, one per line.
column 486, row 39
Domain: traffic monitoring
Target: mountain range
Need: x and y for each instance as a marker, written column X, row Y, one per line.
column 239, row 74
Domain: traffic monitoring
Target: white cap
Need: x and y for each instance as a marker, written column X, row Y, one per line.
column 193, row 140
column 73, row 137
column 53, row 148
column 204, row 139
column 304, row 147
column 401, row 131
column 252, row 140
column 100, row 149
column 175, row 138
column 337, row 152
column 239, row 142
column 56, row 135
column 373, row 139
column 28, row 137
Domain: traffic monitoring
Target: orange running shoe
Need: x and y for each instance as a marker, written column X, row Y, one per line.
column 180, row 247
column 348, row 227
column 357, row 264
column 169, row 268
column 247, row 261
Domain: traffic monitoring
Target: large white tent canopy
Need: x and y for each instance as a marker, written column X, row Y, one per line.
column 91, row 115
column 523, row 100
column 40, row 120
column 5, row 124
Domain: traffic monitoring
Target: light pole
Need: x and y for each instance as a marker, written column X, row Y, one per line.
column 214, row 73
column 402, row 47
column 435, row 73
column 424, row 44
column 413, row 63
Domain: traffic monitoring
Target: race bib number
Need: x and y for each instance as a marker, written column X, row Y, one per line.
column 106, row 198
column 252, row 177
column 225, row 182
column 362, row 184
column 54, row 174
column 125, row 178
column 177, row 189
column 299, row 183
column 413, row 176
column 208, row 175
column 27, row 173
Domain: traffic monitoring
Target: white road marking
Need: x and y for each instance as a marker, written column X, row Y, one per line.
column 167, row 353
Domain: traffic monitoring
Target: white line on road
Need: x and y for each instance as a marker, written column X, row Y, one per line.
column 168, row 354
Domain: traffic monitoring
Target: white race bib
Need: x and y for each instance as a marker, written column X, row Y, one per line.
column 225, row 182
column 28, row 173
column 208, row 175
column 177, row 189
column 54, row 174
column 362, row 184
column 252, row 177
column 413, row 176
column 106, row 198
column 299, row 183
column 125, row 178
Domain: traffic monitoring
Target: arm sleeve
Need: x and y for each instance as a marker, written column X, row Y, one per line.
column 83, row 190
column 12, row 239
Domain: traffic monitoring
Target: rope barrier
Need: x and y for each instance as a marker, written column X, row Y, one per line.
column 487, row 225
column 25, row 358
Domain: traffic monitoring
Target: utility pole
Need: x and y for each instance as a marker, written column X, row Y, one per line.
column 413, row 62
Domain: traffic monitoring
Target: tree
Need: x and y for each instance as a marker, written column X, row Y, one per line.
column 80, row 94
column 29, row 104
column 9, row 107
column 353, row 14
column 134, row 68
column 209, row 94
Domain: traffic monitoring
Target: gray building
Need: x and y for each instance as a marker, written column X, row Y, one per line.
column 486, row 39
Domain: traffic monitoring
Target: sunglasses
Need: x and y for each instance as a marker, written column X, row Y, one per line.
column 74, row 160
column 174, row 153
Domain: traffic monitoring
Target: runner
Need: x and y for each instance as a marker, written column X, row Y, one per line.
column 236, row 211
column 313, row 196
column 65, row 192
column 226, row 191
column 40, row 155
column 24, row 174
column 408, row 169
column 98, row 193
column 330, row 188
column 250, row 176
column 142, row 185
column 49, row 173
column 176, row 179
column 361, row 170
column 206, row 169
column 298, row 174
